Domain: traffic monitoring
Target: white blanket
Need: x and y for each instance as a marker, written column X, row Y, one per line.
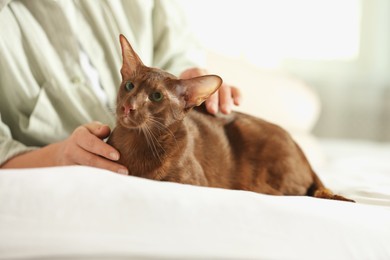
column 81, row 212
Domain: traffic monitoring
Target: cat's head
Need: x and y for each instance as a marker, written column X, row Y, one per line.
column 152, row 96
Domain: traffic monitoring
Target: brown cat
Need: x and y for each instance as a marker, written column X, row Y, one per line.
column 160, row 136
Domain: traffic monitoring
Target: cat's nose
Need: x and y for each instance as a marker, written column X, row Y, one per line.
column 128, row 108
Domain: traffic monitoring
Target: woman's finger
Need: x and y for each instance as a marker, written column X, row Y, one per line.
column 236, row 95
column 212, row 103
column 225, row 99
column 83, row 157
column 91, row 143
column 98, row 129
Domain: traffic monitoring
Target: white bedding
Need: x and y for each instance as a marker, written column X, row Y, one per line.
column 87, row 213
column 358, row 169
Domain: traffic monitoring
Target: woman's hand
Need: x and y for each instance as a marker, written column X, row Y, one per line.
column 85, row 146
column 223, row 99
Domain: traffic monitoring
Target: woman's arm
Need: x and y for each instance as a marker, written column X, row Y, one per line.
column 85, row 146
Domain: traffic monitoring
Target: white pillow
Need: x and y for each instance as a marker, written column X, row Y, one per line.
column 275, row 97
column 271, row 95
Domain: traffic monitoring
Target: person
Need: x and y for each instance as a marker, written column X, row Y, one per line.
column 59, row 66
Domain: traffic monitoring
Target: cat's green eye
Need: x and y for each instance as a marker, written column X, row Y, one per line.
column 129, row 86
column 156, row 96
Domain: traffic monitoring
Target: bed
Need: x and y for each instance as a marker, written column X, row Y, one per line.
column 77, row 212
column 86, row 213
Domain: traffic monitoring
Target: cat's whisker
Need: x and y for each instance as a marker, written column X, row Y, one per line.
column 146, row 134
column 155, row 141
column 151, row 139
column 162, row 127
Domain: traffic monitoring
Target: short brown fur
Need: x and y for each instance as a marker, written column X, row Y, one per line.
column 175, row 139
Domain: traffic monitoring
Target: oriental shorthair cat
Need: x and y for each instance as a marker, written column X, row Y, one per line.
column 164, row 133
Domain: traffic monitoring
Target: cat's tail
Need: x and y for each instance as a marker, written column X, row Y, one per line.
column 324, row 193
column 318, row 190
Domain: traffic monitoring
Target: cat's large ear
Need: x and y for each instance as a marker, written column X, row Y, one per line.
column 131, row 61
column 197, row 90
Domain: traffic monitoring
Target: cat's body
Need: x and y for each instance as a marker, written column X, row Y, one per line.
column 160, row 136
column 234, row 151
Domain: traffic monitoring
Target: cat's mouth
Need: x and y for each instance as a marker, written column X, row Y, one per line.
column 131, row 123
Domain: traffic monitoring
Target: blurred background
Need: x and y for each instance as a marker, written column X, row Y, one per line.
column 340, row 48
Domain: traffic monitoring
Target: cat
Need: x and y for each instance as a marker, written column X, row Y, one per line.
column 164, row 133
